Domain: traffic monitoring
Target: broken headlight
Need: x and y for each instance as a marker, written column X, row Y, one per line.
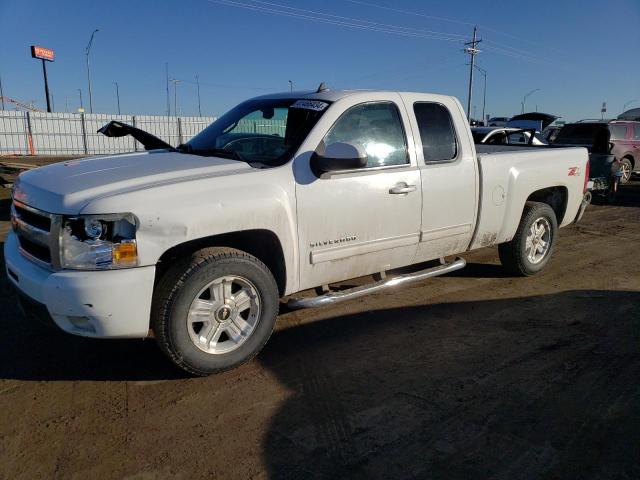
column 98, row 242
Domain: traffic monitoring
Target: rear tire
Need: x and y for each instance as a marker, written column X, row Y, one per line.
column 532, row 246
column 214, row 310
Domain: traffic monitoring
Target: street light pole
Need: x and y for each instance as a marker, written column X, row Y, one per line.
column 117, row 96
column 87, row 51
column 175, row 82
column 198, row 84
column 290, row 86
column 524, row 100
column 624, row 107
column 1, row 94
column 484, row 92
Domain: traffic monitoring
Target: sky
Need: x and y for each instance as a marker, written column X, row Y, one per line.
column 578, row 53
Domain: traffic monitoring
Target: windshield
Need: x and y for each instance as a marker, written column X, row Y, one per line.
column 263, row 132
column 578, row 133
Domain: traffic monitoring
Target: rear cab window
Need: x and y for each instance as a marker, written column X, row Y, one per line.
column 437, row 132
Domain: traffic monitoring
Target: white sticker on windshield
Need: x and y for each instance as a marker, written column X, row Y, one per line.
column 310, row 105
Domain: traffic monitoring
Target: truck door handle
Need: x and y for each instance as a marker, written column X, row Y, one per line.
column 402, row 189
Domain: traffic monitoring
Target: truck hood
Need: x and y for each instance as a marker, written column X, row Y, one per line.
column 67, row 187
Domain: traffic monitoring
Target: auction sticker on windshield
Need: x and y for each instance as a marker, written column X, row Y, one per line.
column 310, row 105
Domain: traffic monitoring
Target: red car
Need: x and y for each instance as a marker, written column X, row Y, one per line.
column 625, row 138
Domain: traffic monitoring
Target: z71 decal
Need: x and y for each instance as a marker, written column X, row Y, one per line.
column 574, row 171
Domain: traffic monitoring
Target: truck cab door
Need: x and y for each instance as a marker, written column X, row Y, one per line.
column 361, row 221
column 449, row 175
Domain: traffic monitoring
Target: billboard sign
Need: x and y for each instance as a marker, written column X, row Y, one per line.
column 42, row 53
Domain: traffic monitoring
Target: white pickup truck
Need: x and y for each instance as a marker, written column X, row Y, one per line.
column 195, row 245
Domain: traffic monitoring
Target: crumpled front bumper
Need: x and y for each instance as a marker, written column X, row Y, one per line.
column 100, row 304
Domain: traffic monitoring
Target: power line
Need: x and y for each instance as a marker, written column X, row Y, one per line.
column 400, row 27
column 444, row 19
column 353, row 23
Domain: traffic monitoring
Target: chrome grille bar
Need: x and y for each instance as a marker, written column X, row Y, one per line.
column 23, row 225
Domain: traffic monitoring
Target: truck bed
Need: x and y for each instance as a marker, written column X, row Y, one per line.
column 490, row 149
column 508, row 176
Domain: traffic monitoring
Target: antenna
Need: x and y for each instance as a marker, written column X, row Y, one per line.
column 322, row 87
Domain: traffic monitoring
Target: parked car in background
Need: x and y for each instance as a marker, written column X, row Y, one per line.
column 505, row 136
column 498, row 121
column 625, row 136
column 624, row 139
column 550, row 133
column 536, row 120
column 605, row 172
column 633, row 114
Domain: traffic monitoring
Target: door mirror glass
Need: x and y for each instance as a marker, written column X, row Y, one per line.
column 339, row 156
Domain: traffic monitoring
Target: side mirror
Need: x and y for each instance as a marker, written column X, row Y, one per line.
column 339, row 156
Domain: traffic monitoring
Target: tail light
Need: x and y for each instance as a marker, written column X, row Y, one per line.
column 587, row 171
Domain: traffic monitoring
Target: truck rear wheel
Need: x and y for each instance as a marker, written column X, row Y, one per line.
column 214, row 310
column 531, row 247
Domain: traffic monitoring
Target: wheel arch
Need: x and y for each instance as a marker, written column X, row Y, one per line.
column 629, row 156
column 261, row 243
column 556, row 197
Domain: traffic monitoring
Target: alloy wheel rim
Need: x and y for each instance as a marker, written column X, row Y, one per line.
column 626, row 171
column 538, row 240
column 224, row 314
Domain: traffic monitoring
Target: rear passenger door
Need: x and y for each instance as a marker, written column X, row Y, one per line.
column 448, row 173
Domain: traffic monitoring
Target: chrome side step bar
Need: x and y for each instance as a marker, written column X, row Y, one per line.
column 356, row 292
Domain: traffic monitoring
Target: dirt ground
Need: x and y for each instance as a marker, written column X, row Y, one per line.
column 475, row 375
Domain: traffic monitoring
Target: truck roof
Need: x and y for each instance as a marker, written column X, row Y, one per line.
column 331, row 95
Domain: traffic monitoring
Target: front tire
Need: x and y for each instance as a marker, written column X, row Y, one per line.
column 532, row 246
column 214, row 310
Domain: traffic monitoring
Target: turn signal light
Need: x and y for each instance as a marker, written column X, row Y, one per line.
column 125, row 253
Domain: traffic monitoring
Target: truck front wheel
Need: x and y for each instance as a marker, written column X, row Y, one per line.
column 531, row 247
column 214, row 310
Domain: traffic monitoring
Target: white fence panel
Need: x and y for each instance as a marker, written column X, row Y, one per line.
column 40, row 133
column 13, row 133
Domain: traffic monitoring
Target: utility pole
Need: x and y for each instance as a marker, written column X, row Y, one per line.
column 66, row 104
column 81, row 106
column 175, row 82
column 290, row 86
column 117, row 96
column 198, row 84
column 87, row 51
column 472, row 50
column 1, row 94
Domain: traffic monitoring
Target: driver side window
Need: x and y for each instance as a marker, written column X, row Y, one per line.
column 377, row 127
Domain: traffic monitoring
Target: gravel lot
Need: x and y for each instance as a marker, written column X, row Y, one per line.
column 474, row 375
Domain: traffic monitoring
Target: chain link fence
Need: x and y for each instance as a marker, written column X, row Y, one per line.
column 40, row 133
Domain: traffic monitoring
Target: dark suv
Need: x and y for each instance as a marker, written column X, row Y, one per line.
column 625, row 141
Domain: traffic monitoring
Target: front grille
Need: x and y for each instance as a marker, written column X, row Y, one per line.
column 38, row 221
column 37, row 233
column 38, row 251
